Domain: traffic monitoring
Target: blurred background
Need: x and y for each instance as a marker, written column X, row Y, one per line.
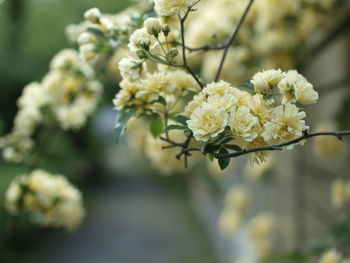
column 133, row 214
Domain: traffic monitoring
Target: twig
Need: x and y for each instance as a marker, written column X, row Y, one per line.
column 202, row 48
column 231, row 39
column 279, row 146
column 185, row 64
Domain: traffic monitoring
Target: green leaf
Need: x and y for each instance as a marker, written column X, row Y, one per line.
column 212, row 148
column 174, row 127
column 248, row 86
column 233, row 147
column 203, row 146
column 160, row 100
column 123, row 119
column 156, row 127
column 223, row 163
column 187, row 133
column 181, row 119
column 96, row 32
column 227, row 140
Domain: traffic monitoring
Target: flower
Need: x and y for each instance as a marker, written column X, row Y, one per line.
column 229, row 221
column 93, row 15
column 194, row 103
column 339, row 193
column 141, row 39
column 331, row 256
column 220, row 88
column 294, row 87
column 286, row 124
column 130, row 68
column 152, row 26
column 264, row 81
column 70, row 117
column 327, row 147
column 207, row 122
column 244, row 124
column 49, row 199
column 237, row 198
column 172, row 7
column 184, row 81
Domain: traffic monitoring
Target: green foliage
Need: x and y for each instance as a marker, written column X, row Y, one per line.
column 248, row 86
column 96, row 32
column 174, row 127
column 181, row 119
column 223, row 163
column 124, row 117
column 156, row 127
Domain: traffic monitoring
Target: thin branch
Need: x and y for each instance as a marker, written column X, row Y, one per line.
column 185, row 63
column 202, row 48
column 231, row 39
column 279, row 146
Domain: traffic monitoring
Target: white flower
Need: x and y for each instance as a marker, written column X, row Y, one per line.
column 244, row 124
column 294, row 87
column 331, row 256
column 229, row 221
column 49, row 199
column 93, row 15
column 207, row 122
column 70, row 117
column 130, row 68
column 63, row 59
column 263, row 81
column 139, row 39
column 87, row 51
column 286, row 124
column 152, row 26
column 172, row 7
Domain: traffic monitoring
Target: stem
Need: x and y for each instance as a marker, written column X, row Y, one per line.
column 231, row 39
column 279, row 146
column 185, row 64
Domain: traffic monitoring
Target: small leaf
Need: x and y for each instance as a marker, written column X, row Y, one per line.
column 212, row 148
column 248, row 86
column 156, row 127
column 181, row 119
column 227, row 140
column 124, row 116
column 203, row 146
column 174, row 127
column 233, row 147
column 161, row 100
column 223, row 163
column 96, row 32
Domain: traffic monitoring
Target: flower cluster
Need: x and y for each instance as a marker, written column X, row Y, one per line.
column 222, row 111
column 236, row 205
column 67, row 94
column 278, row 29
column 333, row 256
column 340, row 193
column 49, row 200
column 261, row 229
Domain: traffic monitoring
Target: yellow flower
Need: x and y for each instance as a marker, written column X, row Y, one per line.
column 327, row 147
column 264, row 81
column 286, row 124
column 237, row 198
column 207, row 122
column 172, row 7
column 194, row 103
column 184, row 81
column 229, row 222
column 339, row 193
column 331, row 256
column 244, row 124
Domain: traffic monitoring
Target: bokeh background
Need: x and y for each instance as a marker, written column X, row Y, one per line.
column 133, row 214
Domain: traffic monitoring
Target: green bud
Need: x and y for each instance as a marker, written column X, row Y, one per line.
column 166, row 30
column 173, row 52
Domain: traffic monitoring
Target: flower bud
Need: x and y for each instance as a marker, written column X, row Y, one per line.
column 93, row 15
column 173, row 52
column 166, row 30
column 152, row 26
column 144, row 43
column 141, row 54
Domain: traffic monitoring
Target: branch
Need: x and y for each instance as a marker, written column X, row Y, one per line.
column 202, row 48
column 185, row 64
column 279, row 146
column 231, row 39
